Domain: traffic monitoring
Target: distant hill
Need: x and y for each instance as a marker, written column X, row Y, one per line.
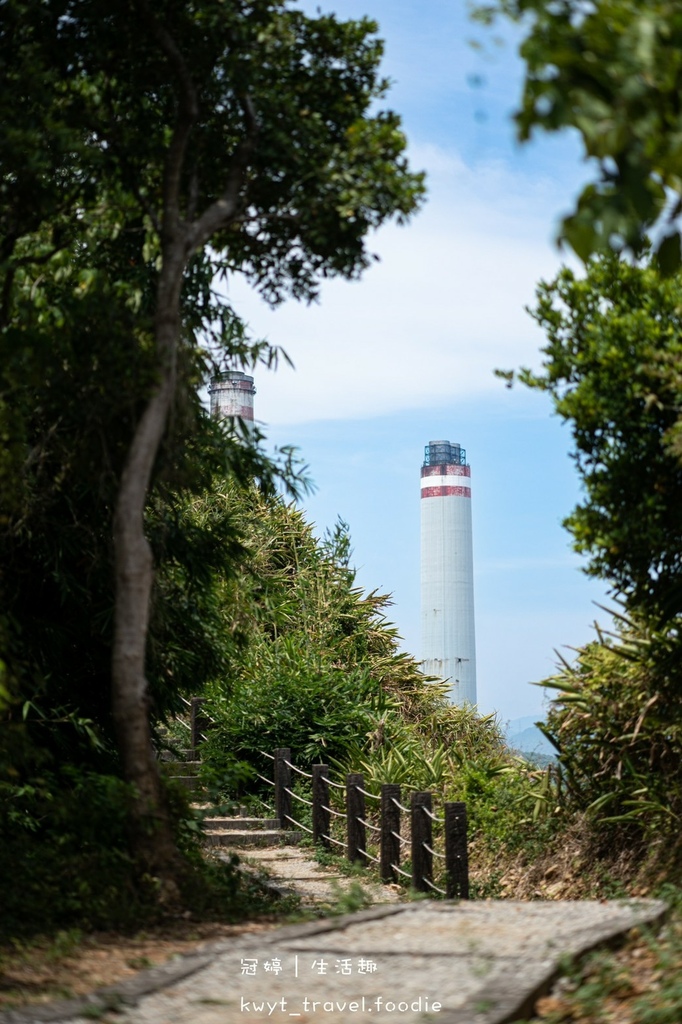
column 522, row 734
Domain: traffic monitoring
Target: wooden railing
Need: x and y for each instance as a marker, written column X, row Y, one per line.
column 388, row 841
column 388, row 811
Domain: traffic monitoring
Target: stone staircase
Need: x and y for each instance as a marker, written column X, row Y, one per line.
column 185, row 770
column 243, row 831
column 238, row 831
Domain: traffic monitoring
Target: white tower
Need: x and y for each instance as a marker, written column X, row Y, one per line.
column 232, row 395
column 447, row 572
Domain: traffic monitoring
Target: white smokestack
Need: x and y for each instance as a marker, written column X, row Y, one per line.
column 447, row 570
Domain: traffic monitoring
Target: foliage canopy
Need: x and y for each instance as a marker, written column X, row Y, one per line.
column 611, row 367
column 614, row 342
column 612, row 71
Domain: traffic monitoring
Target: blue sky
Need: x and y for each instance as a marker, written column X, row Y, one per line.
column 407, row 355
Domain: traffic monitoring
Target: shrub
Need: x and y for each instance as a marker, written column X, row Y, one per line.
column 616, row 721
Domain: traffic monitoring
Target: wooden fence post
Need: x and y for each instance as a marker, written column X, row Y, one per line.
column 282, row 784
column 422, row 832
column 355, row 810
column 321, row 817
column 456, row 854
column 390, row 831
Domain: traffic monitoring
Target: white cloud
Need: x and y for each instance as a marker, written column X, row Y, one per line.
column 431, row 321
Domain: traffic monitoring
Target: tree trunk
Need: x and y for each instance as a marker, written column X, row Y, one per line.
column 153, row 842
column 151, row 834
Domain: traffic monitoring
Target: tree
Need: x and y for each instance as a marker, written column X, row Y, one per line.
column 614, row 343
column 611, row 70
column 244, row 125
column 63, row 805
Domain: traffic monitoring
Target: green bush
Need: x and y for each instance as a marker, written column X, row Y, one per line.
column 63, row 854
column 65, row 863
column 616, row 721
column 318, row 712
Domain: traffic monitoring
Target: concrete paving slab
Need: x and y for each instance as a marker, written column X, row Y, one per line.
column 456, row 963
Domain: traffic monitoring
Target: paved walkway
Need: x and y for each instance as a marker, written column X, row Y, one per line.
column 458, row 963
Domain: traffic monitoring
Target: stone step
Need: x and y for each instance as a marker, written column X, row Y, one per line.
column 251, row 837
column 178, row 754
column 239, row 824
column 190, row 782
column 181, row 767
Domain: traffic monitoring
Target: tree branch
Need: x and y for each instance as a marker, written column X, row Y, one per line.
column 224, row 210
column 188, row 112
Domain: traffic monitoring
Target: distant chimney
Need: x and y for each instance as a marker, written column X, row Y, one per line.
column 447, row 574
column 232, row 395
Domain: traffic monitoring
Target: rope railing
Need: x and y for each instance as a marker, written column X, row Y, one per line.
column 369, row 856
column 441, row 821
column 385, row 826
column 300, row 771
column 200, row 720
column 367, row 824
column 400, row 871
column 301, row 799
column 337, row 814
column 263, row 803
column 299, row 825
column 435, row 887
column 434, row 853
column 335, row 841
column 364, row 792
column 388, row 842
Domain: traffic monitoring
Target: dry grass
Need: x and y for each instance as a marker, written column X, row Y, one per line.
column 578, row 864
column 70, row 964
column 638, row 984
